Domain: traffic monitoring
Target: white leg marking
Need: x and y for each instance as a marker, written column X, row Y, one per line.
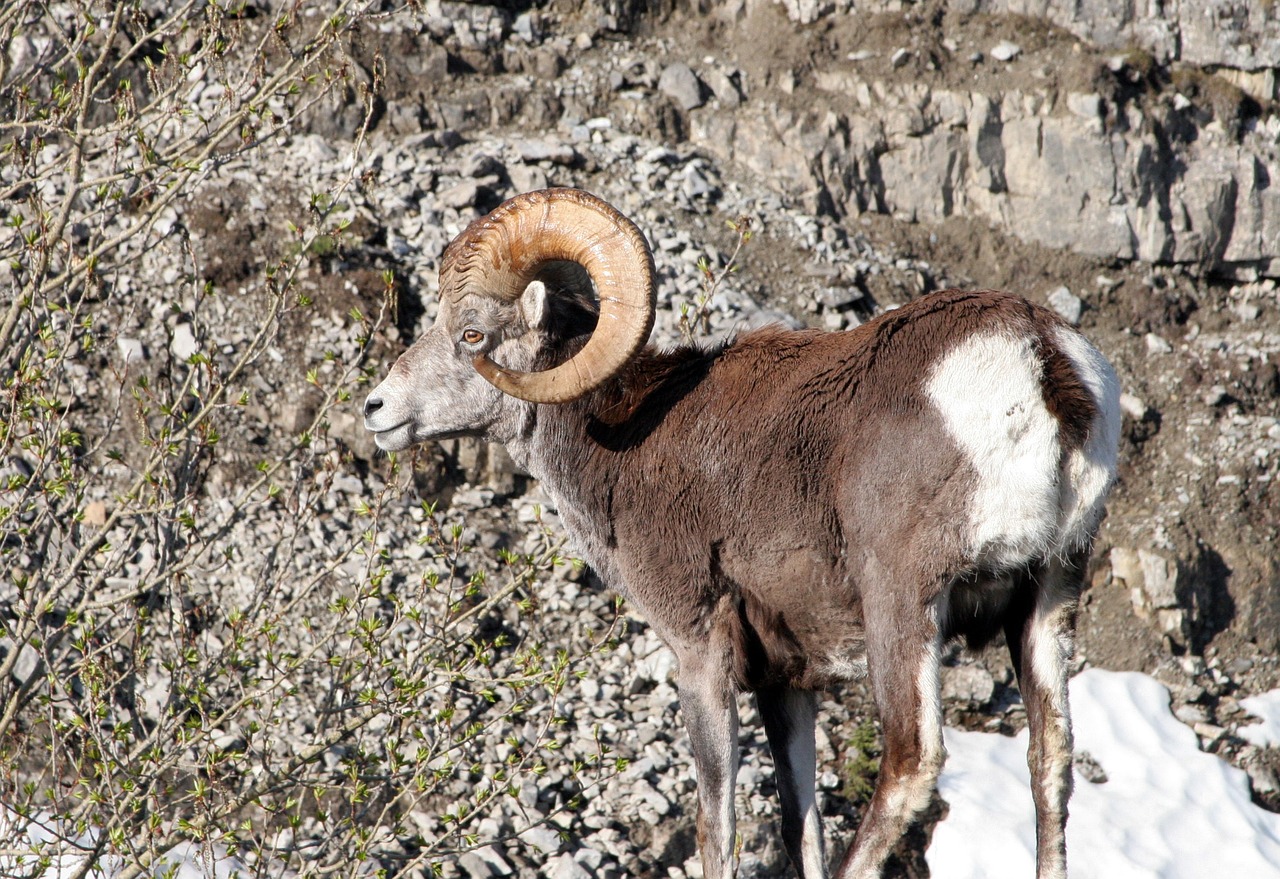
column 1052, row 647
column 728, row 817
column 815, row 859
column 932, row 753
column 801, row 753
column 988, row 392
column 1051, row 651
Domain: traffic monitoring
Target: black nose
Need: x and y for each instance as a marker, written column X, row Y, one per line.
column 372, row 405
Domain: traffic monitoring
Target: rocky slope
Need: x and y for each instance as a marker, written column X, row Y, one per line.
column 894, row 148
column 1117, row 166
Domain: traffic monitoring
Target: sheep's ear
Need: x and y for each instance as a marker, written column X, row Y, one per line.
column 533, row 305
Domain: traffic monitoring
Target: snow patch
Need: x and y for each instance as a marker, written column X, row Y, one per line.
column 1167, row 811
column 1267, row 707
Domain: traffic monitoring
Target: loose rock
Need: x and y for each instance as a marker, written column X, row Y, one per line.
column 968, row 683
column 1005, row 51
column 184, row 344
column 1067, row 304
column 681, row 84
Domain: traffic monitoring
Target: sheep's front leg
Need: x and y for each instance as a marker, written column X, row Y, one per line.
column 789, row 722
column 710, row 709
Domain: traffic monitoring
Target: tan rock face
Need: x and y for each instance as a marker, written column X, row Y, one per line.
column 1242, row 34
column 1110, row 188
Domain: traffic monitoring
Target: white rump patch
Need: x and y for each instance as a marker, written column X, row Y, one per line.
column 988, row 391
column 1089, row 471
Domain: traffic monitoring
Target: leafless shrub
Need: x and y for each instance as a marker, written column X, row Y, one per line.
column 200, row 660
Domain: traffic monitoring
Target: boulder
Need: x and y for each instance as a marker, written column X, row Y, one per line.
column 681, row 84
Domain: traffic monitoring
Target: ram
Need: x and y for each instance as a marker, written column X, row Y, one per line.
column 791, row 509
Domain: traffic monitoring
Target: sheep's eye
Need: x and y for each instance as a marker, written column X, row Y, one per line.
column 472, row 337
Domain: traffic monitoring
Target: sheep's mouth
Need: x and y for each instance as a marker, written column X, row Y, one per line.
column 393, row 439
column 406, row 433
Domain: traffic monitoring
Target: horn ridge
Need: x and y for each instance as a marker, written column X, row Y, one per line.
column 499, row 254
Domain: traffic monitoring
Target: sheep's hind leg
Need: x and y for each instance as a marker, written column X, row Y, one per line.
column 903, row 657
column 709, row 704
column 1041, row 636
column 788, row 716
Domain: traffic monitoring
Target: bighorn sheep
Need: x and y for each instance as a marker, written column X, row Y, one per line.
column 793, row 508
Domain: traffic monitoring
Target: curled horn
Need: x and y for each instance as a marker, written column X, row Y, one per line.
column 501, row 253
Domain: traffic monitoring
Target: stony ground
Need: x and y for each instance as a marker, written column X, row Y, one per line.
column 660, row 112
